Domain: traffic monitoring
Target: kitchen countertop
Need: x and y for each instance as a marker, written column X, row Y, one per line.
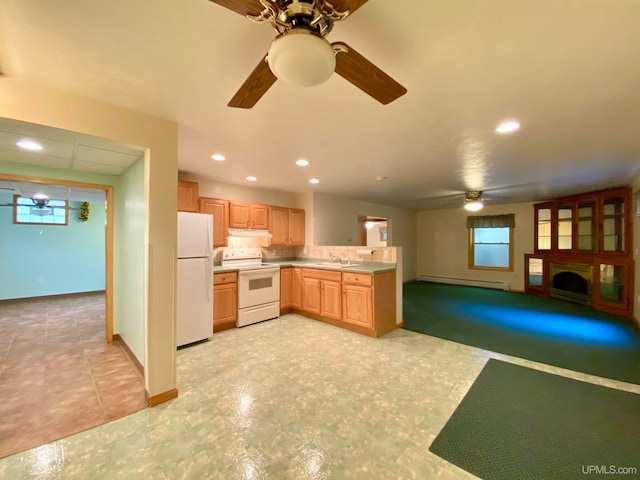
column 366, row 267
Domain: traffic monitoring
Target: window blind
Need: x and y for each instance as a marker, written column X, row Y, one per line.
column 491, row 221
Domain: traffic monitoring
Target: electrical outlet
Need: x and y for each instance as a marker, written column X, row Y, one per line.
column 304, row 251
column 324, row 252
column 385, row 254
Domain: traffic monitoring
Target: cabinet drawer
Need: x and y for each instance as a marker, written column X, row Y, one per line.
column 228, row 277
column 358, row 279
column 322, row 274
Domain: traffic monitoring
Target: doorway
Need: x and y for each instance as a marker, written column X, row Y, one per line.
column 374, row 231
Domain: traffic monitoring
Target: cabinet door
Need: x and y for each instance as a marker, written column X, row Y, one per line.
column 331, row 300
column 564, row 226
column 279, row 225
column 259, row 216
column 356, row 306
column 286, row 275
column 225, row 304
column 296, row 288
column 542, row 227
column 238, row 215
column 296, row 227
column 311, row 295
column 187, row 196
column 612, row 285
column 586, row 225
column 220, row 211
column 614, row 232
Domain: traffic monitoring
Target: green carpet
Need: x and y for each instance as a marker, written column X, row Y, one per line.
column 545, row 330
column 520, row 423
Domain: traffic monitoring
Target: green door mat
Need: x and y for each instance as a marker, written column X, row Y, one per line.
column 520, row 423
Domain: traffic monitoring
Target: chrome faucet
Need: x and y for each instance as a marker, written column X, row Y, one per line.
column 334, row 258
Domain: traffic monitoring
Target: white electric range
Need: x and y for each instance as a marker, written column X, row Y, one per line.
column 258, row 285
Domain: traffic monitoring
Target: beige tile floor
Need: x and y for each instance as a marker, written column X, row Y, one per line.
column 57, row 374
column 290, row 398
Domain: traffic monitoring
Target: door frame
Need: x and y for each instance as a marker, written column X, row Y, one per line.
column 108, row 189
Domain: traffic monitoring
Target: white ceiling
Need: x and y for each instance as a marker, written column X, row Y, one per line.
column 568, row 70
column 53, row 192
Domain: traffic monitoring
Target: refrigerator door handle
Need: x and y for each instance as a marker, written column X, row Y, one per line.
column 209, row 279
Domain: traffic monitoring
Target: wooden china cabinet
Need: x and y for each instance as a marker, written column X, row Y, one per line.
column 584, row 236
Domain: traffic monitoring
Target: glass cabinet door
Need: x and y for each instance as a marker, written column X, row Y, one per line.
column 613, row 224
column 612, row 285
column 565, row 227
column 587, row 226
column 543, row 228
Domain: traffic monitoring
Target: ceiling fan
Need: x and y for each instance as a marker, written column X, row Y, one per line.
column 473, row 200
column 301, row 55
column 40, row 205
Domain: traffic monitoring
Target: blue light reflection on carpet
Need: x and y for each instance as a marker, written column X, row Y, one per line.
column 552, row 324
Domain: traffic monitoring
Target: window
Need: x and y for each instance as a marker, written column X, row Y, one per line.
column 491, row 242
column 25, row 212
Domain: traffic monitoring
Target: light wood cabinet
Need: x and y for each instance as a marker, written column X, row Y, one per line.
column 220, row 211
column 321, row 292
column 286, row 278
column 248, row 215
column 279, row 223
column 187, row 196
column 286, row 226
column 296, row 227
column 356, row 305
column 296, row 288
column 225, row 300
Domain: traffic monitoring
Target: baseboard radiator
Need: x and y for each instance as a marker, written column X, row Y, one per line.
column 465, row 281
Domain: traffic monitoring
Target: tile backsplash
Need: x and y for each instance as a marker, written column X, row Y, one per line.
column 379, row 255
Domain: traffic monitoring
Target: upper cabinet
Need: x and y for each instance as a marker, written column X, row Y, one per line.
column 187, row 196
column 248, row 215
column 220, row 211
column 286, row 226
column 595, row 223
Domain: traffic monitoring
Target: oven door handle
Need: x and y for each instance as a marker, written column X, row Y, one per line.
column 261, row 271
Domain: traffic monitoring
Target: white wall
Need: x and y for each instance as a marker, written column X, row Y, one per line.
column 38, row 104
column 443, row 243
column 335, row 222
column 130, row 259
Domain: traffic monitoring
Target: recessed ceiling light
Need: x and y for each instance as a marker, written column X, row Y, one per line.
column 508, row 127
column 29, row 144
column 218, row 158
column 302, row 162
column 252, row 179
column 314, row 180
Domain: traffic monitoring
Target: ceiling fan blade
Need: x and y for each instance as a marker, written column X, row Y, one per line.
column 365, row 75
column 243, row 7
column 254, row 87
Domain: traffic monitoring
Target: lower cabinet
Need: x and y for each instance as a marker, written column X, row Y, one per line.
column 225, row 301
column 321, row 293
column 365, row 303
column 286, row 276
column 296, row 288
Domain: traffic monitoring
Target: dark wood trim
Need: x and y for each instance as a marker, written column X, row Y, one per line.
column 162, row 397
column 132, row 357
column 411, row 280
column 401, row 324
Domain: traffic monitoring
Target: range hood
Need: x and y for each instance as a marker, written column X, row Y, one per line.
column 248, row 232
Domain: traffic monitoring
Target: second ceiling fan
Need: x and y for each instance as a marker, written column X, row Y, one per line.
column 301, row 55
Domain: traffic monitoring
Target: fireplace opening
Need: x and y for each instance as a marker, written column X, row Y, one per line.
column 571, row 282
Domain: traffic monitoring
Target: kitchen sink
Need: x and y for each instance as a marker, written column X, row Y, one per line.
column 332, row 265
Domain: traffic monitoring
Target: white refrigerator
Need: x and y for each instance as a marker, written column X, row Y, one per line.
column 195, row 278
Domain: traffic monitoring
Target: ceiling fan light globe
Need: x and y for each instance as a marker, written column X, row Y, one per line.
column 473, row 206
column 301, row 58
